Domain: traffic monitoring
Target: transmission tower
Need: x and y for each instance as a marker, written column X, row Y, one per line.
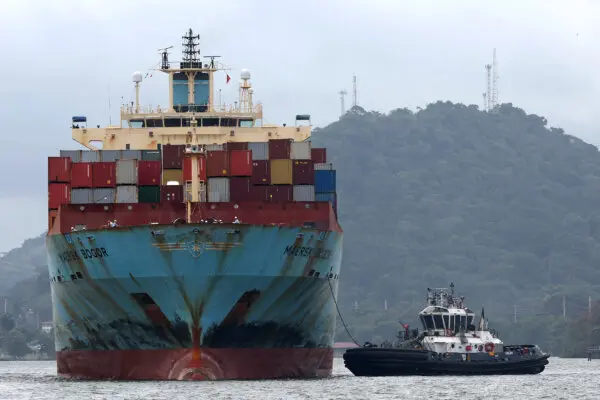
column 494, row 81
column 354, row 99
column 343, row 94
column 488, row 68
column 484, row 101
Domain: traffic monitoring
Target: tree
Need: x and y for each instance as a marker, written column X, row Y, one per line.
column 15, row 344
column 7, row 322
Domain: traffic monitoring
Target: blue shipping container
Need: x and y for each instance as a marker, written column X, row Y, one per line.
column 324, row 181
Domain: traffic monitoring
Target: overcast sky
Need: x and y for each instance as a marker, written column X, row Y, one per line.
column 62, row 58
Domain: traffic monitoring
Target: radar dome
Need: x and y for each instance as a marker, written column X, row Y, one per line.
column 136, row 77
column 245, row 74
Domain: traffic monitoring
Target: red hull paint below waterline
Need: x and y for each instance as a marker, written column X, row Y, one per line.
column 188, row 364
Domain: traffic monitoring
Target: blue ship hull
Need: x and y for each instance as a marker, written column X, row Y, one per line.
column 197, row 301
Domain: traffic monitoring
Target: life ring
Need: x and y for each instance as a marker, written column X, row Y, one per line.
column 489, row 347
column 480, row 348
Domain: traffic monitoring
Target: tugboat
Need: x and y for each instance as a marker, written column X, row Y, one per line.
column 449, row 344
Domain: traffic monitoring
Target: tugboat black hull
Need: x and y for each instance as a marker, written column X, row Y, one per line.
column 375, row 361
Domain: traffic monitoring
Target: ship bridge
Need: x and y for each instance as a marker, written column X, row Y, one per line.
column 193, row 116
column 446, row 312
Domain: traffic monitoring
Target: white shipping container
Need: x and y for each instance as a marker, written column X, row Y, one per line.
column 260, row 150
column 81, row 196
column 109, row 155
column 127, row 172
column 187, row 196
column 218, row 190
column 127, row 194
column 103, row 195
column 214, row 147
column 90, row 156
column 326, row 166
column 300, row 151
column 74, row 155
column 304, row 193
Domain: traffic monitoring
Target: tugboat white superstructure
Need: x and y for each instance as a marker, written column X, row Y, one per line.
column 449, row 344
column 448, row 326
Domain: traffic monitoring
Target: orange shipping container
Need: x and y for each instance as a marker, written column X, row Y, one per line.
column 58, row 193
column 240, row 163
column 187, row 168
column 281, row 172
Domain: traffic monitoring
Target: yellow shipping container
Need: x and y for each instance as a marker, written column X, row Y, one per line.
column 172, row 175
column 281, row 172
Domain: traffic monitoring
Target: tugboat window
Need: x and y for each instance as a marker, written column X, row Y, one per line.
column 446, row 322
column 427, row 321
column 439, row 324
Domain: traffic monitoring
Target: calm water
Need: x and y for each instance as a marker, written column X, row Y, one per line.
column 562, row 379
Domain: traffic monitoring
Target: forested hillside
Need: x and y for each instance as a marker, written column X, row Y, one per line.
column 499, row 203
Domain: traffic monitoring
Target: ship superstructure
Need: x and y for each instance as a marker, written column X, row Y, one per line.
column 197, row 243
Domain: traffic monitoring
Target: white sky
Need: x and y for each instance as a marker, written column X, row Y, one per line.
column 62, row 58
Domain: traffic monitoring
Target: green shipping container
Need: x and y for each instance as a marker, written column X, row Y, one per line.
column 149, row 194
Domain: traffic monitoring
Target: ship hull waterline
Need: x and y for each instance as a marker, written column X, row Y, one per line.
column 195, row 302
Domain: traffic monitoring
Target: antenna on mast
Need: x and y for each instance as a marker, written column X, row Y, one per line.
column 343, row 94
column 354, row 99
column 190, row 50
column 164, row 57
column 212, row 64
column 137, row 79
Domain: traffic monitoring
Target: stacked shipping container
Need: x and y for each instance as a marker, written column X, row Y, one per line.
column 278, row 171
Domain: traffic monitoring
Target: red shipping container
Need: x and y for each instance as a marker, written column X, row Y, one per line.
column 261, row 173
column 217, row 163
column 81, row 175
column 149, row 173
column 257, row 193
column 171, row 194
column 187, row 168
column 230, row 146
column 279, row 149
column 104, row 175
column 318, row 156
column 58, row 193
column 239, row 189
column 59, row 169
column 172, row 156
column 280, row 193
column 241, row 163
column 303, row 172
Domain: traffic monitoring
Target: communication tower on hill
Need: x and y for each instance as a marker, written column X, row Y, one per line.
column 490, row 97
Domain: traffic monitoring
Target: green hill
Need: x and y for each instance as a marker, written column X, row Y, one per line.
column 21, row 263
column 499, row 203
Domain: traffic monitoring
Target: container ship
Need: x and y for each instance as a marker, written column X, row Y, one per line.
column 192, row 241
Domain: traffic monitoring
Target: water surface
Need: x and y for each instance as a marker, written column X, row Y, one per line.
column 562, row 379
